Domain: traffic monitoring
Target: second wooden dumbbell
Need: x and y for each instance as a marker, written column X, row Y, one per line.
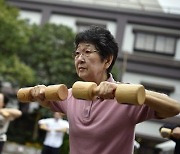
column 50, row 93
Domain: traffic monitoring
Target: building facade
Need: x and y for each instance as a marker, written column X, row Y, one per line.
column 148, row 38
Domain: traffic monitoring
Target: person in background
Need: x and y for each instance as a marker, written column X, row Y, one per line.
column 103, row 125
column 171, row 131
column 55, row 129
column 6, row 115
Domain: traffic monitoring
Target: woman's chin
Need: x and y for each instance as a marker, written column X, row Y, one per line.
column 84, row 77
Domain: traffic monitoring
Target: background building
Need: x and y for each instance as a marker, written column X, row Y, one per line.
column 148, row 37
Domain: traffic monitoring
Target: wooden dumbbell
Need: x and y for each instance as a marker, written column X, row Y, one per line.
column 51, row 93
column 125, row 93
column 130, row 93
column 24, row 95
column 165, row 132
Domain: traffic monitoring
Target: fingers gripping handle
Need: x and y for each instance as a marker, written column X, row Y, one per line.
column 130, row 93
column 51, row 93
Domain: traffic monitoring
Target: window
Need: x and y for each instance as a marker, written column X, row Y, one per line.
column 155, row 43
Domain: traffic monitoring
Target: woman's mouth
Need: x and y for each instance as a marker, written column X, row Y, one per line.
column 81, row 68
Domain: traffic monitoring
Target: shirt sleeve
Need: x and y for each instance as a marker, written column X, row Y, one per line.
column 142, row 113
column 43, row 121
column 61, row 106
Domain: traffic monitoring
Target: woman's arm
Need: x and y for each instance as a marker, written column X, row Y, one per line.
column 63, row 130
column 44, row 127
column 10, row 113
column 162, row 104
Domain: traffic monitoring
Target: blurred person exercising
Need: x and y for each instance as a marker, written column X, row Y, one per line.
column 55, row 129
column 6, row 115
column 172, row 132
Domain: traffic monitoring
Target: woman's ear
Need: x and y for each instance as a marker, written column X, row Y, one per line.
column 108, row 61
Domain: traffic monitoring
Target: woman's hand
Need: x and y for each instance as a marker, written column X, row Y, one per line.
column 106, row 90
column 176, row 133
column 38, row 93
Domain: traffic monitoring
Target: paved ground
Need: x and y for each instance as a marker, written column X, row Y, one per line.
column 13, row 148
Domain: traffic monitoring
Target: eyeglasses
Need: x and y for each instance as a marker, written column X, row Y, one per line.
column 86, row 53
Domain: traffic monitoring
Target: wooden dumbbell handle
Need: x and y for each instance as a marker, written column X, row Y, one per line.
column 125, row 93
column 84, row 90
column 51, row 93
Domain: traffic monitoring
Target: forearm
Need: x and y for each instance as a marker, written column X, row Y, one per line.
column 162, row 104
column 11, row 113
column 45, row 104
column 64, row 130
column 44, row 127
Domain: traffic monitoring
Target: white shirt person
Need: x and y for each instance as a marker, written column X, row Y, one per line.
column 55, row 129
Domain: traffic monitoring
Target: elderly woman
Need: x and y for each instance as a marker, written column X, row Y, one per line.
column 101, row 125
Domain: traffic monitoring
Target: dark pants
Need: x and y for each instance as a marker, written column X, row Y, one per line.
column 49, row 150
column 1, row 146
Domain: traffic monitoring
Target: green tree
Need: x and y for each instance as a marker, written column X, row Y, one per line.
column 32, row 54
column 50, row 54
column 15, row 71
column 14, row 38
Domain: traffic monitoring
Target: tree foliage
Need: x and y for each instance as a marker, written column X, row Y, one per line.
column 14, row 37
column 50, row 54
column 15, row 71
column 31, row 55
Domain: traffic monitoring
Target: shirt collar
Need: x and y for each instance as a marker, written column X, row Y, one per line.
column 110, row 79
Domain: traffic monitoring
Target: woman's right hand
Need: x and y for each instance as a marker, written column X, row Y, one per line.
column 38, row 93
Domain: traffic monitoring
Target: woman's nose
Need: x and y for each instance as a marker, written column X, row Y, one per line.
column 81, row 57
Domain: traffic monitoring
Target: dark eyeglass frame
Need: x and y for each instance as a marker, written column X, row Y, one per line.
column 76, row 54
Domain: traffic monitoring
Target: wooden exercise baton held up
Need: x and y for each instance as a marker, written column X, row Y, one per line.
column 130, row 93
column 125, row 93
column 51, row 93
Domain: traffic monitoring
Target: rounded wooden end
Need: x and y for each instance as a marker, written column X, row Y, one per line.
column 56, row 92
column 24, row 95
column 130, row 94
column 165, row 132
column 141, row 95
column 83, row 90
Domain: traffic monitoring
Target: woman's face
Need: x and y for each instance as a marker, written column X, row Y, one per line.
column 88, row 63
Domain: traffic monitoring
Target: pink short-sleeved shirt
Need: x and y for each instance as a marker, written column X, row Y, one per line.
column 101, row 127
